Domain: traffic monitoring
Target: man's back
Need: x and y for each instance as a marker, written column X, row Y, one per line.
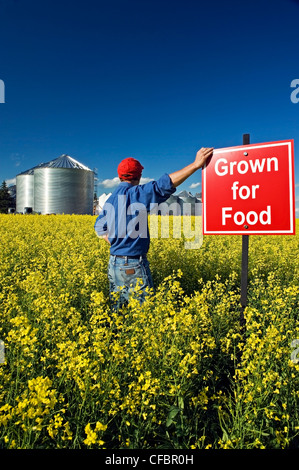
column 123, row 223
column 124, row 215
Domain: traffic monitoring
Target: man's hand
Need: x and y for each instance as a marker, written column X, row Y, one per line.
column 201, row 157
column 178, row 177
column 104, row 237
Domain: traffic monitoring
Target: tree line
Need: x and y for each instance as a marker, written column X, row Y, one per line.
column 6, row 201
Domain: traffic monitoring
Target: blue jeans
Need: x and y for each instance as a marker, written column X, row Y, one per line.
column 123, row 274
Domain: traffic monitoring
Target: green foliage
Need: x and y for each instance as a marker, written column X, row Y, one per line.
column 6, row 200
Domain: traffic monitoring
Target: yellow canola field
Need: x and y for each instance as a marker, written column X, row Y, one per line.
column 176, row 372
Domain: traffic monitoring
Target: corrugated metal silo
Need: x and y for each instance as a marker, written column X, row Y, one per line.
column 63, row 186
column 24, row 190
column 187, row 203
column 174, row 205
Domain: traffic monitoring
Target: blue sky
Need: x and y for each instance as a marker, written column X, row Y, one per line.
column 152, row 79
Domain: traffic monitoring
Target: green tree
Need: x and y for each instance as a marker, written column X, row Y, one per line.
column 6, row 200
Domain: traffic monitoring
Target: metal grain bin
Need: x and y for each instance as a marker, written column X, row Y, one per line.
column 24, row 191
column 174, row 205
column 187, row 203
column 63, row 186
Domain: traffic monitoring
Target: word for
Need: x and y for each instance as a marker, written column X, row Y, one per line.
column 2, row 352
column 132, row 221
column 244, row 192
column 295, row 84
column 294, row 357
column 155, row 459
column 2, row 92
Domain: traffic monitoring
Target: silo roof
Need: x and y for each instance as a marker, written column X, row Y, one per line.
column 31, row 171
column 64, row 161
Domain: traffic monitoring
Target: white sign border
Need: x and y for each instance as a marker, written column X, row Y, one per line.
column 254, row 232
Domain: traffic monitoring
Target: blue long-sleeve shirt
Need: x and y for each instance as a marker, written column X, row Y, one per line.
column 125, row 215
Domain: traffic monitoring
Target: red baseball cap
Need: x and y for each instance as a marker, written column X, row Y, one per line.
column 129, row 169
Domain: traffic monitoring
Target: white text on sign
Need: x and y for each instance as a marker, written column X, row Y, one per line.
column 250, row 189
column 251, row 218
column 223, row 167
column 244, row 166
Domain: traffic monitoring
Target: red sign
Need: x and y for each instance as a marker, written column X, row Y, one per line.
column 250, row 189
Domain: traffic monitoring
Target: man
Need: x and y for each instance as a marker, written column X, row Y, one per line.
column 123, row 223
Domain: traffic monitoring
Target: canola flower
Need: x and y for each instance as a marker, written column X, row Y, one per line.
column 176, row 372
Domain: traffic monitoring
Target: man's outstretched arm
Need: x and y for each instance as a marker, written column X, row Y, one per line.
column 178, row 177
